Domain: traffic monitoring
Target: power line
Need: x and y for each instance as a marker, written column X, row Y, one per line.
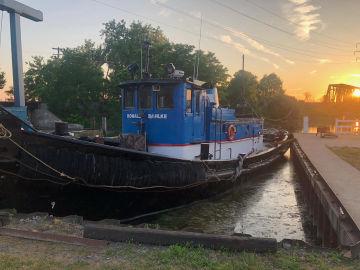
column 197, row 34
column 291, row 22
column 142, row 16
column 264, row 23
column 301, row 52
column 298, row 50
column 158, row 22
column 253, row 18
column 245, row 35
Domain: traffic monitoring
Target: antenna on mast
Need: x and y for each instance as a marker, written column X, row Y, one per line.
column 141, row 62
column 147, row 45
column 198, row 54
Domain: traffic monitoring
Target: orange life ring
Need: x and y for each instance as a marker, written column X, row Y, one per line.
column 231, row 132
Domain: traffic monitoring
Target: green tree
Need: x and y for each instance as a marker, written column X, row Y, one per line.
column 269, row 90
column 122, row 47
column 278, row 109
column 270, row 85
column 2, row 80
column 283, row 112
column 242, row 92
column 73, row 86
column 211, row 70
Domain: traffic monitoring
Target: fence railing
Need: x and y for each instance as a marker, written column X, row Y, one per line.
column 347, row 126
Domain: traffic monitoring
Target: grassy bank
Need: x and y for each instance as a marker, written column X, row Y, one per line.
column 17, row 253
column 28, row 254
column 349, row 154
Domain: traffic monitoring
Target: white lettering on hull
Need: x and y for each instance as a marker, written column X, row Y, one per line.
column 133, row 116
column 149, row 116
column 157, row 116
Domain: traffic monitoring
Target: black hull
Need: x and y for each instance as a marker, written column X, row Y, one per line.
column 85, row 178
column 96, row 204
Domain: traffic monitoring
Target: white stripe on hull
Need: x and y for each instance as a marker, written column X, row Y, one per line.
column 229, row 149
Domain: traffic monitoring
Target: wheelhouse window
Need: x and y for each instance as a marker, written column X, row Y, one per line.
column 145, row 97
column 129, row 97
column 188, row 101
column 165, row 97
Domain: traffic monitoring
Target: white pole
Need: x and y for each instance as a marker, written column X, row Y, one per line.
column 306, row 124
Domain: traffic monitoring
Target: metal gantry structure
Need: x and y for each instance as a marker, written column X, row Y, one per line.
column 17, row 10
column 339, row 93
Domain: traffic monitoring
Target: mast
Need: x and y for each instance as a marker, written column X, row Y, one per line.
column 199, row 48
column 147, row 46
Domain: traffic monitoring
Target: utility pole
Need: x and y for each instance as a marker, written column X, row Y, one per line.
column 243, row 62
column 357, row 51
column 58, row 52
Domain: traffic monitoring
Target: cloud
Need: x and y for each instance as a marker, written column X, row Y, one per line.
column 241, row 48
column 226, row 39
column 254, row 44
column 235, row 33
column 298, row 2
column 196, row 14
column 165, row 12
column 355, row 75
column 155, row 2
column 324, row 61
column 304, row 15
column 276, row 66
column 313, row 72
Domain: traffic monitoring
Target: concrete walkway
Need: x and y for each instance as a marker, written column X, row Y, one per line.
column 342, row 178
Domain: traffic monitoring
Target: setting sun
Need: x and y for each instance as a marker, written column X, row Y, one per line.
column 356, row 93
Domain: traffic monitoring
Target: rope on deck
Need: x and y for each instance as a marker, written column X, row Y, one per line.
column 6, row 134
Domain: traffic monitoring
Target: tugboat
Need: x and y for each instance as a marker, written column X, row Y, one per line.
column 177, row 145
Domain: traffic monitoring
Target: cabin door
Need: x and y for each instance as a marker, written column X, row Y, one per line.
column 198, row 116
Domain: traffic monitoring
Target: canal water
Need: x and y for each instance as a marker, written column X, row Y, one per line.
column 268, row 205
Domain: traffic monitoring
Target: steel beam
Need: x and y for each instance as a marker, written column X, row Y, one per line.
column 17, row 65
column 16, row 11
column 25, row 11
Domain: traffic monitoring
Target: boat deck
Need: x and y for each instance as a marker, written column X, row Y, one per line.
column 341, row 177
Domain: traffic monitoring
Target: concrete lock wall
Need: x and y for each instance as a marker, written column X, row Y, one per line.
column 333, row 225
